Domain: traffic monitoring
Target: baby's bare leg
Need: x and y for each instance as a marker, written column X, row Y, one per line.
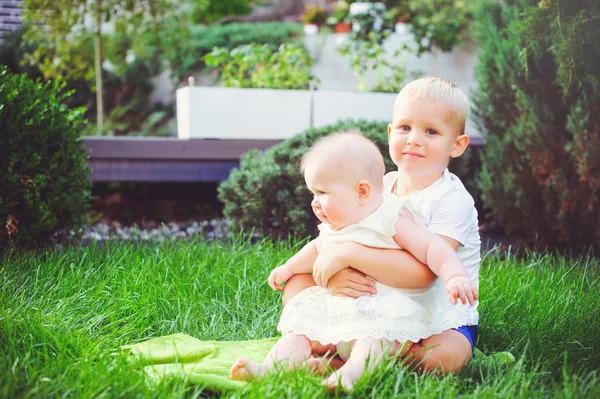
column 443, row 353
column 297, row 283
column 290, row 351
column 365, row 356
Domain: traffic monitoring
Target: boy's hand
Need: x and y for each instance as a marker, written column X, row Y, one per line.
column 279, row 276
column 351, row 283
column 329, row 262
column 461, row 287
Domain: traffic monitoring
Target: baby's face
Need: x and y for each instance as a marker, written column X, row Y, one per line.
column 335, row 199
column 423, row 135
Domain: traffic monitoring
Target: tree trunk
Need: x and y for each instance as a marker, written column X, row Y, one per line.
column 98, row 58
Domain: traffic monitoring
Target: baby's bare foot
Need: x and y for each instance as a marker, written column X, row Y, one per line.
column 246, row 370
column 346, row 377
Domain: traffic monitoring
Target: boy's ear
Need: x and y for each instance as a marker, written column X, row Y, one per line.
column 460, row 145
column 389, row 130
column 364, row 190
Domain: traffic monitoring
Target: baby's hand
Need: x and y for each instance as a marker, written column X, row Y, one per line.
column 461, row 287
column 328, row 263
column 279, row 276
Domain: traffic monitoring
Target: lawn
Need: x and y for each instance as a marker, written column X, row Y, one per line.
column 64, row 314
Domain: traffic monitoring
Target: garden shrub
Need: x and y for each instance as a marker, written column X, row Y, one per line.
column 268, row 192
column 539, row 103
column 210, row 11
column 236, row 34
column 43, row 178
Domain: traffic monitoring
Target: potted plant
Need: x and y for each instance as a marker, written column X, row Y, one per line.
column 440, row 24
column 401, row 13
column 367, row 18
column 339, row 20
column 313, row 18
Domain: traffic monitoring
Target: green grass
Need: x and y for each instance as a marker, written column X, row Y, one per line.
column 64, row 314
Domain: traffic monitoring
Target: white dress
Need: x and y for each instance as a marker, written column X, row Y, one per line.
column 394, row 314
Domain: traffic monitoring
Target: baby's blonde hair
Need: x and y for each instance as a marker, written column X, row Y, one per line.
column 349, row 151
column 440, row 89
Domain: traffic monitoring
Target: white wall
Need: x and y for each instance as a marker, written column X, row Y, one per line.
column 226, row 113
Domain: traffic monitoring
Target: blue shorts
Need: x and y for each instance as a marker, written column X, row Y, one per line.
column 470, row 333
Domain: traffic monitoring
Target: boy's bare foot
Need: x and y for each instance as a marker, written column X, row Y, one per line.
column 344, row 376
column 246, row 370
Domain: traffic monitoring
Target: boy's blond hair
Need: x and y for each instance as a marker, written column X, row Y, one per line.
column 440, row 89
column 348, row 151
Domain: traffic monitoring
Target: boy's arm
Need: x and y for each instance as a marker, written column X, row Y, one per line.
column 301, row 262
column 393, row 267
column 440, row 255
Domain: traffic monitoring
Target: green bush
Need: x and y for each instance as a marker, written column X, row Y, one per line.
column 233, row 35
column 539, row 102
column 210, row 11
column 268, row 193
column 43, row 178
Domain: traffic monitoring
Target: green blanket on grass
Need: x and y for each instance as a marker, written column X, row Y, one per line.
column 207, row 363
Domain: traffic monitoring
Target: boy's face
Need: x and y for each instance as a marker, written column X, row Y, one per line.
column 424, row 135
column 335, row 199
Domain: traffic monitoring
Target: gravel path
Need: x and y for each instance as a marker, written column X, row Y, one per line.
column 211, row 229
column 152, row 231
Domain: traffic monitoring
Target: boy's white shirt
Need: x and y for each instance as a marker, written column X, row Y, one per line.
column 445, row 208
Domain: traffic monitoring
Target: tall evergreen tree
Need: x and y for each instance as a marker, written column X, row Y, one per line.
column 539, row 103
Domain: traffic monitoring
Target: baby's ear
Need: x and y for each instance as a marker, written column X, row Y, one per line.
column 364, row 190
column 460, row 145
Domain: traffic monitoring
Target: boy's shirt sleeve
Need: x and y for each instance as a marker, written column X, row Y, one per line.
column 453, row 216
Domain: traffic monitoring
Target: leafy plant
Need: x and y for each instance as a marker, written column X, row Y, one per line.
column 257, row 66
column 43, row 178
column 442, row 23
column 340, row 12
column 539, row 103
column 400, row 10
column 315, row 15
column 368, row 55
column 376, row 22
column 365, row 52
